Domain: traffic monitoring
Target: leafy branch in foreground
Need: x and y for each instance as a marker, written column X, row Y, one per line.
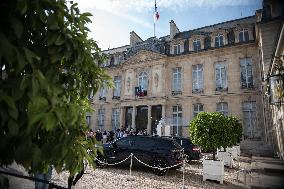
column 49, row 66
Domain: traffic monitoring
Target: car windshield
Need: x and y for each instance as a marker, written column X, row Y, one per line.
column 184, row 142
column 176, row 145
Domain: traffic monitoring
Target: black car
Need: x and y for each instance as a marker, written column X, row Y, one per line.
column 191, row 151
column 153, row 151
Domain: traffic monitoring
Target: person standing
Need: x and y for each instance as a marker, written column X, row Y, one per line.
column 43, row 176
column 104, row 137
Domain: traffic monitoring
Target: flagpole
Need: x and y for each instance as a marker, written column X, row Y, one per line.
column 155, row 19
column 154, row 30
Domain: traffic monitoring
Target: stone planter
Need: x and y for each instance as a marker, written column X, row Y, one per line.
column 226, row 157
column 213, row 170
column 235, row 151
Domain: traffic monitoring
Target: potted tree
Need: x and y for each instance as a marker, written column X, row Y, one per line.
column 212, row 130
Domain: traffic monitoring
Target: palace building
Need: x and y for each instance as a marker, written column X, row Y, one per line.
column 213, row 68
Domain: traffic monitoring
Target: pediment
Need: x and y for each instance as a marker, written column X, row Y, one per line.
column 143, row 56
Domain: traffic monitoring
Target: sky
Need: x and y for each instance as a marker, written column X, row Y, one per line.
column 113, row 20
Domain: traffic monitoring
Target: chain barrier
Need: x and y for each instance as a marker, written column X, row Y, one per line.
column 160, row 168
column 183, row 163
column 51, row 185
column 105, row 163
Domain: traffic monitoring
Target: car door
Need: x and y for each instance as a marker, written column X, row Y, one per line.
column 122, row 149
column 144, row 150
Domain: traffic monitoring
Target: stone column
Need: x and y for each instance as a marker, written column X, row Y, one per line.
column 121, row 117
column 149, row 119
column 164, row 117
column 133, row 117
column 163, row 111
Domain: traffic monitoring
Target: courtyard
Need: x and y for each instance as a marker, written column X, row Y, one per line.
column 250, row 174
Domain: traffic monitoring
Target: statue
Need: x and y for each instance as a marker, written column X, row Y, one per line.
column 156, row 80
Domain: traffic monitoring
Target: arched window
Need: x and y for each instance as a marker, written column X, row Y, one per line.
column 143, row 80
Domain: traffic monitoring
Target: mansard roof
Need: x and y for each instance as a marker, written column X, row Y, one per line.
column 208, row 29
column 158, row 45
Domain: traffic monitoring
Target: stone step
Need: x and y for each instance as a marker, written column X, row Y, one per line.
column 256, row 148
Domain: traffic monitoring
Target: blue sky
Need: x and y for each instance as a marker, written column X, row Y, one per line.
column 113, row 20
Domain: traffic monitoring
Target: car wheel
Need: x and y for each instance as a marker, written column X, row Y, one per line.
column 100, row 161
column 161, row 164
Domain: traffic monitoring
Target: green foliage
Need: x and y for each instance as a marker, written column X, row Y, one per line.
column 212, row 130
column 49, row 66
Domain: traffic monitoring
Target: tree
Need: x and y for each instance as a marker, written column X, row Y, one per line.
column 49, row 66
column 212, row 130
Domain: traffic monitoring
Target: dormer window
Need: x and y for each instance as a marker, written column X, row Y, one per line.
column 176, row 49
column 243, row 35
column 196, row 44
column 219, row 40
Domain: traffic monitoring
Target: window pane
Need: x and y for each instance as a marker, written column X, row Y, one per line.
column 246, row 36
column 221, row 41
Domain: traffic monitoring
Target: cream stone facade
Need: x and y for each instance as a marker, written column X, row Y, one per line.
column 213, row 68
column 270, row 39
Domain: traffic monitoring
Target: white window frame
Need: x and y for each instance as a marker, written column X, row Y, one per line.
column 250, row 126
column 246, row 66
column 222, row 77
column 101, row 118
column 115, row 118
column 177, row 79
column 219, row 36
column 103, row 92
column 197, row 83
column 176, row 49
column 195, row 44
column 88, row 120
column 242, row 33
column 177, row 120
column 200, row 108
column 223, row 108
column 143, row 80
column 117, row 86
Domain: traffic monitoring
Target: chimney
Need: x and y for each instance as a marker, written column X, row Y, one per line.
column 173, row 29
column 134, row 38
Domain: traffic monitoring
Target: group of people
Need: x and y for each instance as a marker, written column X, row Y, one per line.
column 110, row 136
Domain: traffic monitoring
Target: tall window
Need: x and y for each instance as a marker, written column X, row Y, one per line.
column 177, row 120
column 176, row 80
column 197, row 78
column 222, row 108
column 143, row 80
column 250, row 119
column 243, row 35
column 197, row 108
column 101, row 118
column 219, row 40
column 91, row 95
column 176, row 49
column 196, row 44
column 88, row 120
column 246, row 73
column 117, row 86
column 103, row 92
column 221, row 76
column 115, row 119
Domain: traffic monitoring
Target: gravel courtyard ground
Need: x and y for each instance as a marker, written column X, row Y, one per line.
column 117, row 178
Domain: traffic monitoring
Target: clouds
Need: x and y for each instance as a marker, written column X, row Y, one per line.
column 114, row 19
column 148, row 5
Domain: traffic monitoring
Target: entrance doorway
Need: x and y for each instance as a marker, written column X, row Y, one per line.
column 156, row 115
column 141, row 118
column 128, row 117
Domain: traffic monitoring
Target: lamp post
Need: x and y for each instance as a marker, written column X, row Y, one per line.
column 276, row 83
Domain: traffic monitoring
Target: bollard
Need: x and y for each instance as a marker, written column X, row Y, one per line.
column 130, row 167
column 183, row 171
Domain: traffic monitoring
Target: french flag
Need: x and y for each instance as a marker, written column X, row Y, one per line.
column 156, row 15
